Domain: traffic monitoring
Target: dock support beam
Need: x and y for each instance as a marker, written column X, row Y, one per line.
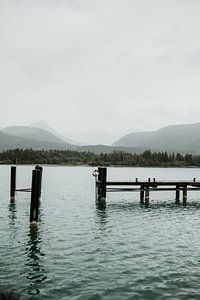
column 142, row 195
column 12, row 184
column 184, row 195
column 177, row 200
column 146, row 195
column 35, row 195
column 101, row 181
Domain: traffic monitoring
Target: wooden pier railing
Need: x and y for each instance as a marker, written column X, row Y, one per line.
column 143, row 187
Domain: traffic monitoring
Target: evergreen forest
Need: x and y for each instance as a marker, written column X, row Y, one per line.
column 116, row 158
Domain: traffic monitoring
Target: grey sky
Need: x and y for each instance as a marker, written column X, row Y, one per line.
column 100, row 64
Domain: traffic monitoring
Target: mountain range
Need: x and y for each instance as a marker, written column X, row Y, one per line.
column 30, row 137
column 183, row 138
column 39, row 135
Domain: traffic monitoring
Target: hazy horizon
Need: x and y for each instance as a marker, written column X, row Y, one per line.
column 92, row 137
column 96, row 136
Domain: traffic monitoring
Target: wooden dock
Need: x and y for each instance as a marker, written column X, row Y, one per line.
column 143, row 187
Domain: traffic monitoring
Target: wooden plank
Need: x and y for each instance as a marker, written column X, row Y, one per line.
column 151, row 189
column 152, row 184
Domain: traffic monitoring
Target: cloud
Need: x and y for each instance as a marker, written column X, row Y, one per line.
column 100, row 64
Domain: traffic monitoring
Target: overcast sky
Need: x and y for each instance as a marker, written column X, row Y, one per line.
column 113, row 65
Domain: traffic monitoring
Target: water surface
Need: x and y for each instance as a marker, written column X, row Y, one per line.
column 79, row 251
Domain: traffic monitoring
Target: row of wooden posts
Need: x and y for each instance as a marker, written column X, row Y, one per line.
column 143, row 187
column 35, row 190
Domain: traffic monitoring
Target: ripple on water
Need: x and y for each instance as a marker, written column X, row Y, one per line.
column 82, row 251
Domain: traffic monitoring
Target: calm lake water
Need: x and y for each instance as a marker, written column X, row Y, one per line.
column 78, row 251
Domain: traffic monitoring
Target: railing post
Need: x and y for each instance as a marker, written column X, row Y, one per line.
column 35, row 195
column 12, row 183
column 101, row 184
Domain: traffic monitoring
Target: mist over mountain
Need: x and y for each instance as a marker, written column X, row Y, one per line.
column 174, row 138
column 43, row 125
column 37, row 138
column 11, row 142
column 30, row 137
column 182, row 138
column 33, row 133
column 93, row 137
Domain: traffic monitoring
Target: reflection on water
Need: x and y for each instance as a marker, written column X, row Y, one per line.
column 101, row 214
column 35, row 272
column 101, row 206
column 152, row 205
column 101, row 217
column 12, row 213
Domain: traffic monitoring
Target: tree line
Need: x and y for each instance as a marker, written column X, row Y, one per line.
column 116, row 158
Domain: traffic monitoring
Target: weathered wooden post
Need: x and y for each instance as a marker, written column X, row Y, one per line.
column 185, row 195
column 141, row 194
column 101, row 184
column 146, row 195
column 35, row 195
column 40, row 169
column 12, row 183
column 177, row 200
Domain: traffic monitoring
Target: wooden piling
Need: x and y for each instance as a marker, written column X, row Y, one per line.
column 146, row 195
column 35, row 195
column 12, row 183
column 184, row 195
column 141, row 194
column 40, row 169
column 101, row 181
column 177, row 200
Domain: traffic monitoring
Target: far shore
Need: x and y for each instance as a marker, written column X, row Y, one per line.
column 95, row 167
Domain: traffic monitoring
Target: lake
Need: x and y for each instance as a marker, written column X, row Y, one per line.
column 78, row 251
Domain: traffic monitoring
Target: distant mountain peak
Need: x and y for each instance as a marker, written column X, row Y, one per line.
column 43, row 125
column 30, row 137
column 34, row 133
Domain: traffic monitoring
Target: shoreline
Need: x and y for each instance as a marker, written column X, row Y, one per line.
column 96, row 166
